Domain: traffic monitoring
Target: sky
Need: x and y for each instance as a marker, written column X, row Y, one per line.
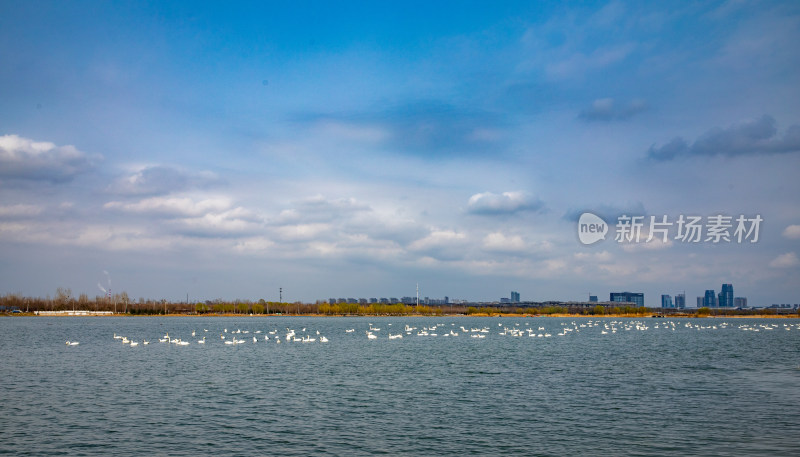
column 357, row 149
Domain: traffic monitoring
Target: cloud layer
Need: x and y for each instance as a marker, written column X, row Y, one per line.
column 23, row 158
column 488, row 203
column 758, row 136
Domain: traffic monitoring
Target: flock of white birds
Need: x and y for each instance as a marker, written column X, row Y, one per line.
column 603, row 326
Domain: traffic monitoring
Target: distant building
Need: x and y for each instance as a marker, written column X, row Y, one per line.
column 725, row 298
column 593, row 298
column 666, row 301
column 384, row 301
column 740, row 302
column 341, row 300
column 505, row 300
column 331, row 301
column 710, row 299
column 637, row 298
column 362, row 301
column 373, row 300
column 700, row 302
column 514, row 297
column 680, row 301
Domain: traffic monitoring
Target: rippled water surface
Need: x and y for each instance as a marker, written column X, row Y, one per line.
column 637, row 387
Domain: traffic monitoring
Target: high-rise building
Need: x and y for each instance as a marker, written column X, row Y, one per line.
column 514, row 297
column 740, row 302
column 637, row 298
column 725, row 298
column 680, row 301
column 700, row 301
column 666, row 301
column 710, row 299
column 593, row 298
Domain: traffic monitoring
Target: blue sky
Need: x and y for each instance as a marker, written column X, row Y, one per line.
column 355, row 150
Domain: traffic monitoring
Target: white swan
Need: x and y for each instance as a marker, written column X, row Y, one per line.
column 72, row 343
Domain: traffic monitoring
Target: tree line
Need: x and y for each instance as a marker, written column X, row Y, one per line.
column 64, row 300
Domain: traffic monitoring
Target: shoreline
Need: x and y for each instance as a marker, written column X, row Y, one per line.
column 316, row 315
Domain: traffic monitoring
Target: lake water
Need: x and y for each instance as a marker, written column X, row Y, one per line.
column 714, row 387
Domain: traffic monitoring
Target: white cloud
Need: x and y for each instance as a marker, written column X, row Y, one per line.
column 318, row 209
column 787, row 260
column 497, row 241
column 302, row 232
column 506, row 203
column 173, row 206
column 234, row 222
column 23, row 158
column 439, row 238
column 95, row 236
column 602, row 256
column 20, row 210
column 792, row 232
column 254, row 245
column 161, row 180
column 643, row 245
column 209, row 217
column 441, row 245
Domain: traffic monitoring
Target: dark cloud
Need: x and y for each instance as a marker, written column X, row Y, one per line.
column 606, row 109
column 758, row 136
column 23, row 158
column 488, row 203
column 161, row 180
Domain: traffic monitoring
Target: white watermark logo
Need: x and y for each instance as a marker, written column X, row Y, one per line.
column 685, row 229
column 591, row 228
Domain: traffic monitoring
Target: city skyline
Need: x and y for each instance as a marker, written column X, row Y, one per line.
column 230, row 150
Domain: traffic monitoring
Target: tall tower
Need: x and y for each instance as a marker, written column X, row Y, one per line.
column 726, row 296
